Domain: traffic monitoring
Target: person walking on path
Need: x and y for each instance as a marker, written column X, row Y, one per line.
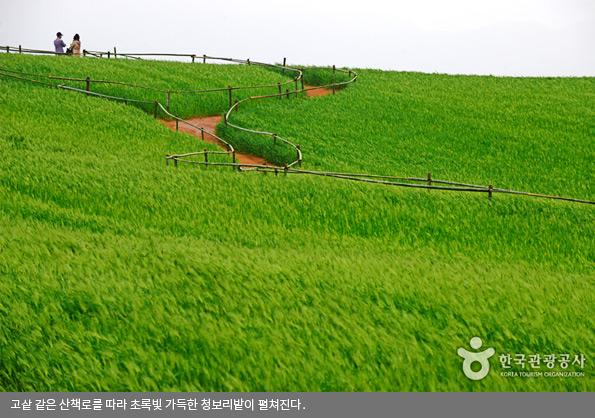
column 76, row 45
column 59, row 43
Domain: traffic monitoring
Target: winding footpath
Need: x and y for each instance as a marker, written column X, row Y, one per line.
column 209, row 124
column 205, row 127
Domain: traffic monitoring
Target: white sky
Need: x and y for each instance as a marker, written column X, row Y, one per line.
column 502, row 37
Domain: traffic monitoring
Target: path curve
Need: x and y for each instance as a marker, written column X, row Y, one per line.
column 209, row 124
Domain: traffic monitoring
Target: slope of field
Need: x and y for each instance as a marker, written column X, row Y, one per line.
column 165, row 76
column 118, row 272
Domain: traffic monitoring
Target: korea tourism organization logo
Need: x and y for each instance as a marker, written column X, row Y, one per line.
column 482, row 358
column 476, row 364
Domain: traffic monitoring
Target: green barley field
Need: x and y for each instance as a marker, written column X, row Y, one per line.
column 121, row 273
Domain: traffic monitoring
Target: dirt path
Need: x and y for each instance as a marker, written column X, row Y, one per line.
column 209, row 124
column 318, row 92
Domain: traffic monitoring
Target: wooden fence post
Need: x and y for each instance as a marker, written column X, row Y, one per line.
column 206, row 158
column 193, row 56
column 284, row 62
column 108, row 54
column 302, row 78
column 230, row 101
column 204, row 59
column 115, row 53
column 274, row 139
column 20, row 50
column 88, row 84
column 236, row 104
column 429, row 180
column 280, row 91
column 333, row 79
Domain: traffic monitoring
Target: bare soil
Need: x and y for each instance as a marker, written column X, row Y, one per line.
column 318, row 92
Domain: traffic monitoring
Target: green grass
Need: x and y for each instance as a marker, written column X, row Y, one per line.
column 165, row 75
column 118, row 272
column 519, row 133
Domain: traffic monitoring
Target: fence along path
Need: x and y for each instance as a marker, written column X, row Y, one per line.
column 414, row 182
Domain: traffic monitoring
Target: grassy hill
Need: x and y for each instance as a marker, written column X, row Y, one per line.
column 120, row 273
